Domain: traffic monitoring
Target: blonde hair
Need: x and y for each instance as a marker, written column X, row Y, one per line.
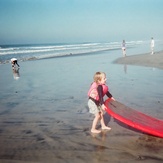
column 98, row 76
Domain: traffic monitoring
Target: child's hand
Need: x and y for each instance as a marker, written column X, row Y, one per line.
column 103, row 107
column 113, row 98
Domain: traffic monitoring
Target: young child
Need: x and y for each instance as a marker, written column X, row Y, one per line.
column 96, row 105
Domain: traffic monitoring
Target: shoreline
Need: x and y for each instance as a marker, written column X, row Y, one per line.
column 147, row 60
column 35, row 58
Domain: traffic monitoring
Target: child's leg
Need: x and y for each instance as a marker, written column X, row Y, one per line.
column 104, row 127
column 93, row 129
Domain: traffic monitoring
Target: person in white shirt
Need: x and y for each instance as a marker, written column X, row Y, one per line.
column 124, row 48
column 14, row 61
column 152, row 46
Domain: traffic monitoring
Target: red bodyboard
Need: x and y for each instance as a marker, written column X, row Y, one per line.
column 135, row 119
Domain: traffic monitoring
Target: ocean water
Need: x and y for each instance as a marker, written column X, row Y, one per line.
column 42, row 51
column 56, row 82
column 70, row 77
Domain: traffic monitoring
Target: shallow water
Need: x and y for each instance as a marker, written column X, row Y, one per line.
column 68, row 78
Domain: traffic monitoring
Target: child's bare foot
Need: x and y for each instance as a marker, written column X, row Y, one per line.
column 106, row 128
column 95, row 131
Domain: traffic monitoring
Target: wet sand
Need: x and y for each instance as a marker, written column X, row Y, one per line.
column 37, row 125
column 155, row 60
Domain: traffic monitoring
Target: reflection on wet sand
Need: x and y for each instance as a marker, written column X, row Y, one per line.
column 16, row 74
column 125, row 68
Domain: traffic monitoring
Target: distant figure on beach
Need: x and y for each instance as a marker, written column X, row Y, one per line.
column 97, row 91
column 124, row 48
column 14, row 61
column 152, row 46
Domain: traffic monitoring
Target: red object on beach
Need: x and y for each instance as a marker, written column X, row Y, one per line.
column 135, row 119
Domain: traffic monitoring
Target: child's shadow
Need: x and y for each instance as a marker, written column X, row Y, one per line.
column 107, row 118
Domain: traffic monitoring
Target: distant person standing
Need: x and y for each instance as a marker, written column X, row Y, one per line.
column 14, row 61
column 152, row 46
column 124, row 48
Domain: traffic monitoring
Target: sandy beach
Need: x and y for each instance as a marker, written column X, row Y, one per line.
column 155, row 60
column 44, row 115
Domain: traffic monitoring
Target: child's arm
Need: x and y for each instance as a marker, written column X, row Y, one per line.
column 100, row 93
column 110, row 96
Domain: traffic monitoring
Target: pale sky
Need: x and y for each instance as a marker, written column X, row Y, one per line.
column 75, row 21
